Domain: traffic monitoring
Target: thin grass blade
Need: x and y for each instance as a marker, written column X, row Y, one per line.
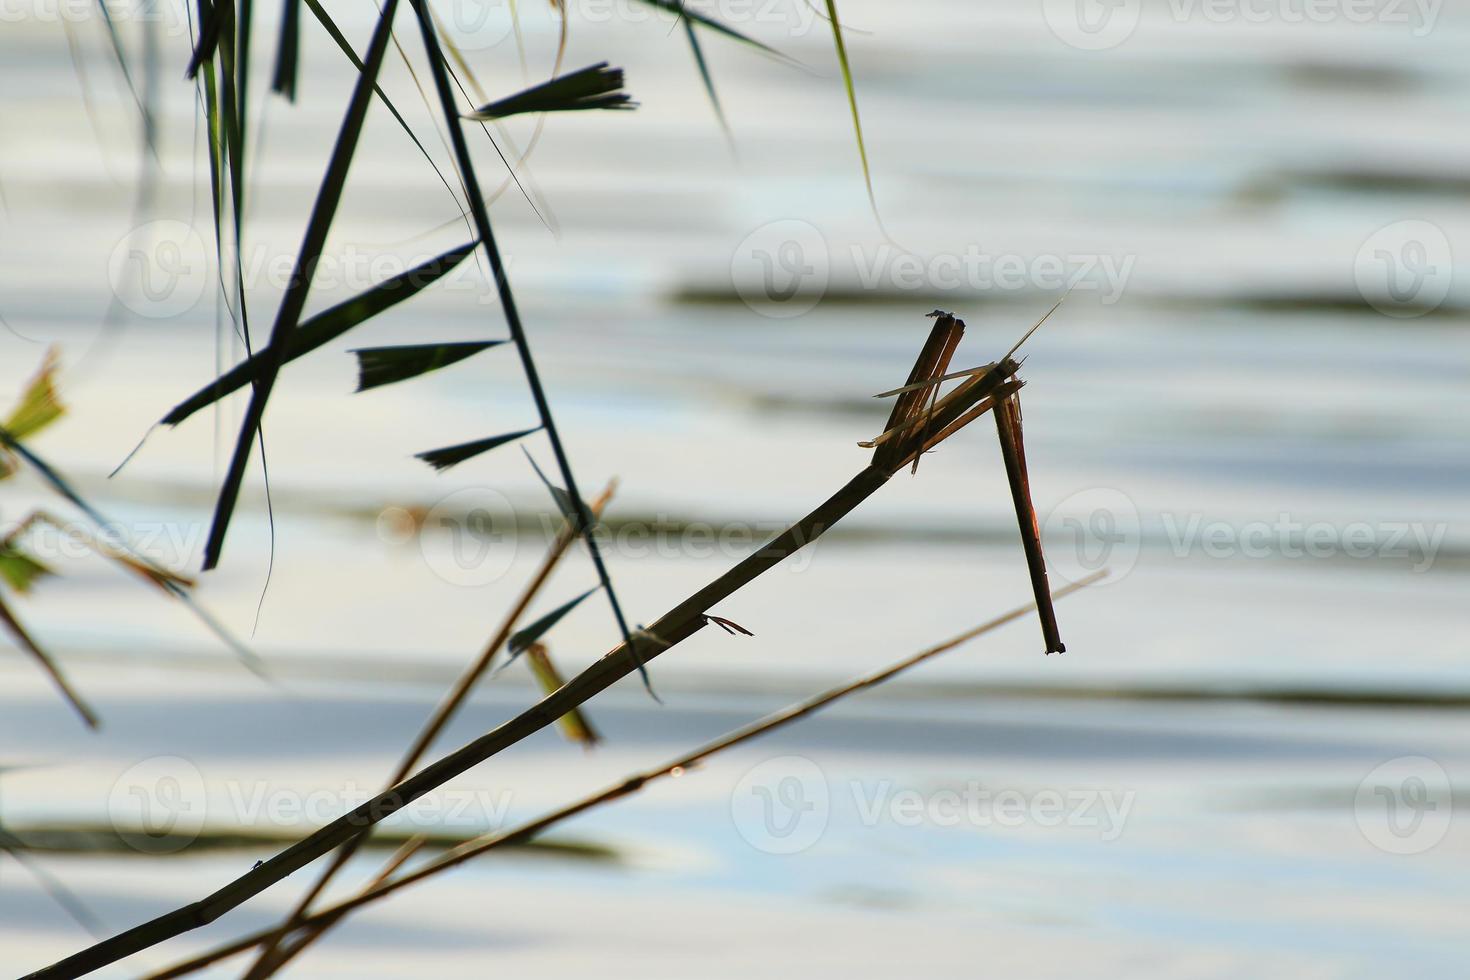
column 595, row 87
column 325, row 327
column 521, row 640
column 442, row 459
column 385, row 365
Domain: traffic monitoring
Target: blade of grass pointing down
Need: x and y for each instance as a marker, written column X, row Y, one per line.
column 385, row 365
column 678, row 9
column 574, row 723
column 857, row 122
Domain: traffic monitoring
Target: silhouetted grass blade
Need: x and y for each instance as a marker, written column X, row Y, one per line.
column 13, row 626
column 594, row 87
column 325, row 327
column 385, row 365
column 442, row 459
column 287, row 50
column 677, row 7
column 522, row 639
column 19, row 570
column 208, row 41
column 289, row 314
column 565, row 502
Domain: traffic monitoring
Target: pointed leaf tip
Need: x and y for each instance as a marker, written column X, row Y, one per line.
column 522, row 639
column 442, row 459
column 595, row 87
column 378, row 366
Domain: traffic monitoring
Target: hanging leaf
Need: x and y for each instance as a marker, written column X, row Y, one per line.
column 326, row 327
column 39, row 405
column 209, row 26
column 574, row 723
column 19, row 570
column 385, row 365
column 565, row 502
column 442, row 459
column 521, row 640
column 595, row 87
column 678, row 8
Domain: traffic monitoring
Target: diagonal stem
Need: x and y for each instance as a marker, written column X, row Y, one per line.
column 433, row 727
column 324, row 919
column 675, row 626
column 481, row 216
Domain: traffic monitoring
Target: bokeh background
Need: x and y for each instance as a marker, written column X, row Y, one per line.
column 1252, row 407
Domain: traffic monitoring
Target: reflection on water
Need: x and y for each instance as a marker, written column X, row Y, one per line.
column 1252, row 407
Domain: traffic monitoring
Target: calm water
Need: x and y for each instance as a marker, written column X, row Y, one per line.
column 1273, row 467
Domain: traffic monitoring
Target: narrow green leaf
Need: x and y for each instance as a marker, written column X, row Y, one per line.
column 442, row 459
column 19, row 570
column 521, row 639
column 595, row 87
column 325, row 327
column 565, row 502
column 385, row 365
column 857, row 122
column 574, row 723
column 204, row 48
column 39, row 405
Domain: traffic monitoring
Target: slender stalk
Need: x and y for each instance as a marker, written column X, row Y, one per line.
column 8, row 620
column 451, row 703
column 454, row 122
column 1013, row 451
column 294, row 300
column 474, row 848
column 687, row 618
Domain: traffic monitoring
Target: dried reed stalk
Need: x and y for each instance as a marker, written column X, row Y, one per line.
column 379, row 889
column 432, row 728
column 1013, row 450
column 968, row 401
